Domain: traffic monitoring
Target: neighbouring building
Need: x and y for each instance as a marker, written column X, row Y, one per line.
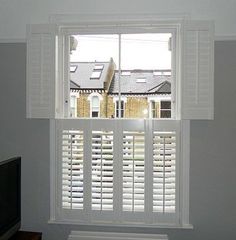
column 94, row 90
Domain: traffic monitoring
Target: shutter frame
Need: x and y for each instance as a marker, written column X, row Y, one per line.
column 197, row 81
column 41, row 71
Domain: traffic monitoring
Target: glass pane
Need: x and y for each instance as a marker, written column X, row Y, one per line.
column 165, row 105
column 147, row 58
column 95, row 101
column 94, row 114
column 165, row 114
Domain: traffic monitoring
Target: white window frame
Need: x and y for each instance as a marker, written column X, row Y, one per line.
column 74, row 95
column 183, row 190
column 160, row 109
column 90, row 98
column 115, row 99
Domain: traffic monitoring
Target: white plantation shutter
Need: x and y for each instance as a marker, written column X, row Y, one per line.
column 164, row 171
column 41, row 71
column 102, row 170
column 133, row 171
column 72, row 169
column 105, row 173
column 197, row 92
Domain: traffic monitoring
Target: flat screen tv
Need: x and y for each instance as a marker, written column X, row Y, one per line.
column 10, row 197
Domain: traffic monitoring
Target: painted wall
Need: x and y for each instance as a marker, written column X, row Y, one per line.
column 15, row 14
column 213, row 165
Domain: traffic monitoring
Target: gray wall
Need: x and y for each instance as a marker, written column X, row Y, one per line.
column 213, row 148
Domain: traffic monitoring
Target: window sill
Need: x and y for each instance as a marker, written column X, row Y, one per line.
column 128, row 225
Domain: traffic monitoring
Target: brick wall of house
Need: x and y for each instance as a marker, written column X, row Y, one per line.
column 83, row 106
column 106, row 106
column 134, row 106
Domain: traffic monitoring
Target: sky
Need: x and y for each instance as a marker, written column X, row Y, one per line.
column 138, row 51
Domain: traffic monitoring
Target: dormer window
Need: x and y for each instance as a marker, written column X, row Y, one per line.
column 73, row 68
column 96, row 75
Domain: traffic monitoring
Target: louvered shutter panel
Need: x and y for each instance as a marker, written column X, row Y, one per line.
column 164, row 172
column 41, row 71
column 72, row 169
column 133, row 171
column 102, row 170
column 197, row 83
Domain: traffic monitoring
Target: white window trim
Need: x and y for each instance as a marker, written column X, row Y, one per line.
column 157, row 99
column 90, row 97
column 174, row 28
column 163, row 100
column 76, row 95
column 115, row 99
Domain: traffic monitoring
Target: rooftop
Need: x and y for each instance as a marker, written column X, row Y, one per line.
column 93, row 75
column 142, row 81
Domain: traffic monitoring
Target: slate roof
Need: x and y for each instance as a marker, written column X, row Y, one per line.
column 81, row 77
column 155, row 83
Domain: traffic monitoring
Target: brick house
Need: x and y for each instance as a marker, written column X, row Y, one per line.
column 94, row 90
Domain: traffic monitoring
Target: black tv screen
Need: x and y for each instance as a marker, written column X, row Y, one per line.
column 10, row 196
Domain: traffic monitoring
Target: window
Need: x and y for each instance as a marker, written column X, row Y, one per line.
column 73, row 106
column 96, row 75
column 95, row 105
column 121, row 171
column 73, row 68
column 120, row 107
column 165, row 109
column 153, row 109
column 116, row 70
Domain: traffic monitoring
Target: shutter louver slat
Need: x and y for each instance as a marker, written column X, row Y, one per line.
column 164, row 175
column 133, row 171
column 72, row 169
column 102, row 170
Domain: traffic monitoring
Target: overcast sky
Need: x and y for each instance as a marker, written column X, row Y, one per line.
column 138, row 51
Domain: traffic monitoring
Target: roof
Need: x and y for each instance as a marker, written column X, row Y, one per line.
column 142, row 82
column 81, row 75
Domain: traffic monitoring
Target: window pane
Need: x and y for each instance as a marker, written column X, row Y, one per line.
column 165, row 114
column 96, row 75
column 95, row 101
column 94, row 114
column 165, row 105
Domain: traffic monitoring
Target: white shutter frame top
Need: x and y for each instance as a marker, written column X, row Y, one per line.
column 197, row 81
column 41, row 71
